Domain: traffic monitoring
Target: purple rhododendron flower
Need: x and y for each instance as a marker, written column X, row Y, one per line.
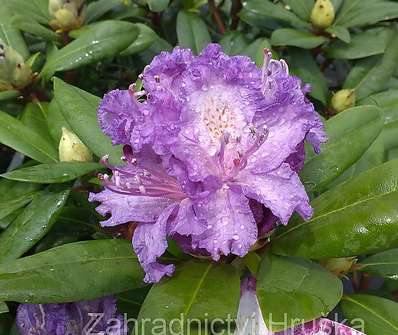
column 211, row 155
column 250, row 319
column 71, row 318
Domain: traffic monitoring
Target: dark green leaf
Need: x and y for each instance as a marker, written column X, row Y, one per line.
column 73, row 272
column 234, row 43
column 33, row 27
column 52, row 173
column 55, row 121
column 356, row 217
column 387, row 102
column 146, row 37
column 106, row 39
column 10, row 35
column 304, row 66
column 296, row 38
column 80, row 110
column 192, row 31
column 379, row 315
column 9, row 206
column 35, row 117
column 31, row 144
column 7, row 95
column 384, row 264
column 158, row 5
column 368, row 43
column 98, row 8
column 32, row 224
column 197, row 291
column 355, row 13
column 350, row 134
column 339, row 32
column 295, row 289
column 302, row 8
column 34, row 10
column 259, row 10
column 375, row 77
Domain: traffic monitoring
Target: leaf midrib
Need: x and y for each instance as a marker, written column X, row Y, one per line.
column 335, row 211
column 371, row 311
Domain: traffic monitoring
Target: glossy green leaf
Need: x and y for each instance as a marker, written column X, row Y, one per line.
column 52, row 173
column 234, row 43
column 197, row 291
column 35, row 117
column 146, row 37
column 14, row 195
column 107, row 39
column 387, row 102
column 384, row 264
column 342, row 33
column 374, row 75
column 33, row 27
column 31, row 144
column 354, row 218
column 55, row 121
column 10, row 35
column 368, row 43
column 32, row 224
column 302, row 8
column 303, row 65
column 73, row 272
column 7, row 95
column 296, row 38
column 157, row 5
column 350, row 134
column 98, row 8
column 34, row 10
column 192, row 31
column 79, row 108
column 295, row 289
column 380, row 315
column 356, row 13
column 258, row 11
column 389, row 136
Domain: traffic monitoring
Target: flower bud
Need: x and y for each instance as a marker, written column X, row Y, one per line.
column 71, row 148
column 322, row 15
column 339, row 266
column 68, row 15
column 343, row 100
column 14, row 73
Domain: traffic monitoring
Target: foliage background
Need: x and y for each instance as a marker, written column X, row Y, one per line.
column 51, row 247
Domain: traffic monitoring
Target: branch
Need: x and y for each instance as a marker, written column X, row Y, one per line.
column 216, row 16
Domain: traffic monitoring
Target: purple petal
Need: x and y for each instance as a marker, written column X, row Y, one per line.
column 322, row 327
column 116, row 115
column 150, row 242
column 231, row 227
column 280, row 190
column 125, row 208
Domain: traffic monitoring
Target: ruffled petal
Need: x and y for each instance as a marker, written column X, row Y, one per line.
column 322, row 327
column 280, row 190
column 116, row 115
column 186, row 222
column 150, row 242
column 125, row 208
column 231, row 227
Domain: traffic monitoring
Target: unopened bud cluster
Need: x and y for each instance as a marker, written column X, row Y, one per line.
column 67, row 14
column 343, row 100
column 71, row 148
column 14, row 73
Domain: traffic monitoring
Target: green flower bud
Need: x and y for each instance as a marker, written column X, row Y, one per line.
column 343, row 100
column 14, row 73
column 68, row 15
column 339, row 266
column 71, row 148
column 322, row 15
